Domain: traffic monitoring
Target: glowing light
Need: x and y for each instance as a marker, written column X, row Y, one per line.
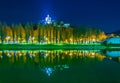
column 93, row 53
column 46, row 55
column 70, row 54
column 9, row 55
column 48, row 19
column 71, row 39
column 33, row 38
column 93, row 40
column 8, row 37
column 48, row 71
column 1, row 56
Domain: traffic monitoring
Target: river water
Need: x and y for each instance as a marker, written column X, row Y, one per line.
column 59, row 66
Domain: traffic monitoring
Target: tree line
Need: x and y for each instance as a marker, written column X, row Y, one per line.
column 54, row 33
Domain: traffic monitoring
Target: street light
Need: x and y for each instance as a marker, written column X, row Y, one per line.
column 7, row 38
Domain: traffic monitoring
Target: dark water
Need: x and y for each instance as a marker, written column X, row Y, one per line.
column 81, row 66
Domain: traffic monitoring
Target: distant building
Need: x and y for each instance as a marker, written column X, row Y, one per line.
column 66, row 25
column 61, row 24
column 48, row 19
column 113, row 40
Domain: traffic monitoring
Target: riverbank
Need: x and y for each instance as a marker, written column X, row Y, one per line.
column 50, row 47
column 58, row 47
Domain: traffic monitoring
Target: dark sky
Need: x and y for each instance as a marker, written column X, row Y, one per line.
column 100, row 13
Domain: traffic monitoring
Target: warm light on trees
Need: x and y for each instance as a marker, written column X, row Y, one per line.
column 40, row 33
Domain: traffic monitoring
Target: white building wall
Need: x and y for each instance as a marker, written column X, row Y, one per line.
column 115, row 40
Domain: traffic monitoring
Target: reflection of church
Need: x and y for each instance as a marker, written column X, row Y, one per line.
column 50, row 61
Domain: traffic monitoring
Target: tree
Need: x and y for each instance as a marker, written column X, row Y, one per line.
column 0, row 32
column 38, row 29
column 19, row 32
column 13, row 32
column 3, row 32
column 27, row 26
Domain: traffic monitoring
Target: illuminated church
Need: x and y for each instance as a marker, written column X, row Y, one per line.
column 48, row 20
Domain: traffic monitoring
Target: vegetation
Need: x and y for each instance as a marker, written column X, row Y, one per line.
column 53, row 33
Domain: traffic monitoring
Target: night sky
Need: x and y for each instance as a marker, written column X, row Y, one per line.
column 104, row 14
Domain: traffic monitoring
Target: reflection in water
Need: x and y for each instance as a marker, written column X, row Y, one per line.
column 48, row 71
column 113, row 53
column 49, row 61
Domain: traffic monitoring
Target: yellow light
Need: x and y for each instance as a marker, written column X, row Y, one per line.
column 93, row 53
column 70, row 54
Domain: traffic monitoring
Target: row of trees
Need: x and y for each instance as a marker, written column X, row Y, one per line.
column 54, row 33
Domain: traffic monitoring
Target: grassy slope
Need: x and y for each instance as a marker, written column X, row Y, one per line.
column 48, row 47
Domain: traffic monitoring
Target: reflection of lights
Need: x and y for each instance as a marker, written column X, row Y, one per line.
column 9, row 55
column 20, row 54
column 85, row 51
column 66, row 66
column 80, row 39
column 110, row 58
column 93, row 53
column 48, row 71
column 33, row 55
column 45, row 56
column 8, row 37
column 119, row 59
column 92, row 56
column 50, row 57
column 66, row 52
column 70, row 54
column 1, row 56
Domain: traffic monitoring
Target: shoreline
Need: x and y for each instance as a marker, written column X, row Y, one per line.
column 58, row 47
column 51, row 47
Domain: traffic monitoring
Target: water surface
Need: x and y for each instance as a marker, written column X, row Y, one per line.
column 58, row 66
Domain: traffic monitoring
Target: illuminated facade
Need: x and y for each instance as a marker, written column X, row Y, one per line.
column 49, row 32
column 113, row 40
column 48, row 19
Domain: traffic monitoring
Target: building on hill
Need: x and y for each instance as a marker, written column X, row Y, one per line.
column 48, row 21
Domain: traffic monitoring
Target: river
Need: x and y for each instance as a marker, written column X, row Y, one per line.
column 59, row 66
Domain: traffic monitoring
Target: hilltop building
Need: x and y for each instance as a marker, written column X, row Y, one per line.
column 48, row 20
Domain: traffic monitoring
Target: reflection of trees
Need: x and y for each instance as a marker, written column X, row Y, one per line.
column 50, row 58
